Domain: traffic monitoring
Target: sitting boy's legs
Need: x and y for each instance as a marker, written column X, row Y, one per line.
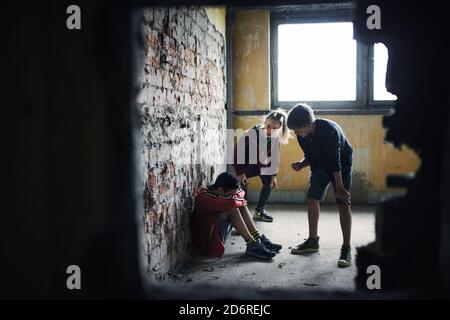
column 246, row 216
column 254, row 248
column 238, row 223
column 252, row 228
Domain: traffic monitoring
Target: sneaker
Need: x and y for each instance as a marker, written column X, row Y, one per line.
column 263, row 215
column 345, row 259
column 310, row 245
column 258, row 250
column 269, row 245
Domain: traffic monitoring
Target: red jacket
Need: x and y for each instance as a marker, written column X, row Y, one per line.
column 205, row 220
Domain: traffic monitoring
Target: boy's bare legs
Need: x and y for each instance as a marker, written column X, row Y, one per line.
column 247, row 217
column 248, row 220
column 236, row 219
column 241, row 220
column 312, row 243
column 313, row 217
column 345, row 217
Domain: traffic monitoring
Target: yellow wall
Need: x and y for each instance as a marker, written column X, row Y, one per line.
column 373, row 159
column 250, row 36
column 217, row 16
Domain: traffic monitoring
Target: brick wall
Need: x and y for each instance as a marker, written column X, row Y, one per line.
column 183, row 123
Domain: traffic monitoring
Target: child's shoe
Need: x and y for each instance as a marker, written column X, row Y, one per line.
column 263, row 215
column 345, row 258
column 270, row 245
column 258, row 250
column 310, row 245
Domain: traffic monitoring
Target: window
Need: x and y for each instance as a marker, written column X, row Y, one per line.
column 314, row 59
column 380, row 57
column 316, row 62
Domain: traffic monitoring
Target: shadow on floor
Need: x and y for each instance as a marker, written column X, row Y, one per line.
column 313, row 271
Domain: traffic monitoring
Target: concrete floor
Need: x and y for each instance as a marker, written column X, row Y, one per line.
column 316, row 271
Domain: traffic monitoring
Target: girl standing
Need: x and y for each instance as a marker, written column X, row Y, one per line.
column 274, row 130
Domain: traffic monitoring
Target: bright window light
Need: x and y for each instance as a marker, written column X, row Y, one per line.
column 380, row 56
column 316, row 62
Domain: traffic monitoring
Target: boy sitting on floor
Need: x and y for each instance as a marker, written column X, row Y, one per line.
column 217, row 209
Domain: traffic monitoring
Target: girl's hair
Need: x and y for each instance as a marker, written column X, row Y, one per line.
column 281, row 117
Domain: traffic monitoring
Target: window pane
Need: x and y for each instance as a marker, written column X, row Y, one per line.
column 316, row 62
column 380, row 55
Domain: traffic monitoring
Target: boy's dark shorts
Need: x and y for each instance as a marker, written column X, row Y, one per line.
column 319, row 181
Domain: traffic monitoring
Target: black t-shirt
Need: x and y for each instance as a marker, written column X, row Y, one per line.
column 327, row 149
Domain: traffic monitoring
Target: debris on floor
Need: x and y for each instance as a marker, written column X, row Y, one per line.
column 315, row 271
column 311, row 284
column 210, row 269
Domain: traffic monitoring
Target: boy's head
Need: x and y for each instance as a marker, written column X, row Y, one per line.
column 225, row 184
column 301, row 119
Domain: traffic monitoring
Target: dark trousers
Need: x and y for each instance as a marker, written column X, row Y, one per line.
column 265, row 191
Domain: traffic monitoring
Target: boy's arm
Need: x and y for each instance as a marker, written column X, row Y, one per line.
column 219, row 203
column 299, row 165
column 334, row 152
column 340, row 190
column 334, row 157
column 304, row 163
column 338, row 181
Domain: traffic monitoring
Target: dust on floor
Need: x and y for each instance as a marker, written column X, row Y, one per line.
column 315, row 271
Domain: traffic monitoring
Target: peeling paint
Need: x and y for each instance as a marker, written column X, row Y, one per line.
column 182, row 100
column 251, row 74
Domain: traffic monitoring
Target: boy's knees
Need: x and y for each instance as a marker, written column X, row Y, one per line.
column 342, row 203
column 227, row 214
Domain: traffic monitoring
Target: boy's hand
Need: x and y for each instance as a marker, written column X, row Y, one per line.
column 297, row 166
column 243, row 179
column 274, row 183
column 343, row 194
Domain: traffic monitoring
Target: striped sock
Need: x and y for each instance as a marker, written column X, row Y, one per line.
column 250, row 241
column 255, row 234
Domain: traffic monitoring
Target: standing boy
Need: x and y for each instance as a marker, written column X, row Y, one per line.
column 329, row 155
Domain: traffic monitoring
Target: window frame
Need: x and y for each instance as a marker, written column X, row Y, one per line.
column 364, row 102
